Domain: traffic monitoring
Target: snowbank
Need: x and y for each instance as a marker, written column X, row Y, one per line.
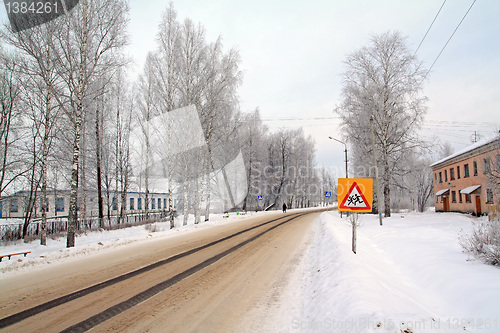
column 93, row 242
column 409, row 275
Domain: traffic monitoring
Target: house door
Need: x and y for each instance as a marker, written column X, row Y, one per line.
column 446, row 204
column 478, row 206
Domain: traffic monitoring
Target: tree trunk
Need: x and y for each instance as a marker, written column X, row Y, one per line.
column 185, row 191
column 171, row 203
column 80, row 91
column 208, row 188
column 83, row 210
column 45, row 151
column 98, row 162
column 72, row 216
column 197, row 207
column 387, row 189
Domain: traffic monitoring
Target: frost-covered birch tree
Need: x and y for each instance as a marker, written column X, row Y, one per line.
column 383, row 80
column 92, row 35
column 10, row 122
column 165, row 78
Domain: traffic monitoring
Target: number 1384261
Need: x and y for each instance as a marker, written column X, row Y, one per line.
column 23, row 7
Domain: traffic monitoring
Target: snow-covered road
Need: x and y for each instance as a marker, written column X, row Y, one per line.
column 409, row 275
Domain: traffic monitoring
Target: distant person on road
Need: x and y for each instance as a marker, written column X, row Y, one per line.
column 284, row 207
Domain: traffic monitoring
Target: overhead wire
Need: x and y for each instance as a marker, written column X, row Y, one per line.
column 435, row 17
column 460, row 23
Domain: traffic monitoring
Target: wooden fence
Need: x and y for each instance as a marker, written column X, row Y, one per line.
column 11, row 231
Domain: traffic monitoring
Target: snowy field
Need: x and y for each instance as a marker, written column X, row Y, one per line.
column 409, row 275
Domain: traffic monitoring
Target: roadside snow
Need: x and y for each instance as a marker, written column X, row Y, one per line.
column 409, row 275
column 93, row 242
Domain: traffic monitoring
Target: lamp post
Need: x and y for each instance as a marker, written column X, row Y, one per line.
column 345, row 150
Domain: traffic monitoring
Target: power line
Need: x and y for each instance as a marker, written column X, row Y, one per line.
column 429, row 27
column 463, row 18
column 298, row 119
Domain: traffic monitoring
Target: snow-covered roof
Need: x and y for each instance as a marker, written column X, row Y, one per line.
column 442, row 191
column 470, row 148
column 470, row 189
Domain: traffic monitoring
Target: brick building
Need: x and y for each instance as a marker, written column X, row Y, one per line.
column 468, row 181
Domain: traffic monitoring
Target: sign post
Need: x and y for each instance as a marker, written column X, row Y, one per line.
column 355, row 195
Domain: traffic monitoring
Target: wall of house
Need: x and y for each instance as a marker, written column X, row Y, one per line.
column 58, row 204
column 454, row 176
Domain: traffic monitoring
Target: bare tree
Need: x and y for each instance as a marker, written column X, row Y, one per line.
column 9, row 121
column 221, row 78
column 383, row 80
column 36, row 48
column 253, row 140
column 166, row 80
column 92, row 34
column 148, row 109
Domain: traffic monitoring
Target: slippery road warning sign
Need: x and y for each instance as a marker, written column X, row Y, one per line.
column 355, row 194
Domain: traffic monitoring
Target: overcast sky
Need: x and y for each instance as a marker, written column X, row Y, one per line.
column 292, row 54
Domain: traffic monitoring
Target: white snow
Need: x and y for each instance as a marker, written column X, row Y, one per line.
column 94, row 242
column 409, row 275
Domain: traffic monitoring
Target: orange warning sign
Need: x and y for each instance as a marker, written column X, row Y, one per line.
column 355, row 194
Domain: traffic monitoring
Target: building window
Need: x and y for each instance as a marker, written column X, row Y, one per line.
column 132, row 206
column 139, row 203
column 164, row 203
column 475, row 168
column 114, row 204
column 13, row 205
column 489, row 196
column 453, row 196
column 486, row 165
column 153, row 204
column 458, row 171
column 459, row 197
column 60, row 204
column 440, row 177
column 445, row 175
column 437, row 198
column 467, row 198
column 452, row 174
column 159, row 203
column 41, row 205
column 466, row 170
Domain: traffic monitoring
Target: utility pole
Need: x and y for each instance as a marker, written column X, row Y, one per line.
column 345, row 151
column 376, row 172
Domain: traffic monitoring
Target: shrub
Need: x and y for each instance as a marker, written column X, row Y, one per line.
column 484, row 242
column 153, row 227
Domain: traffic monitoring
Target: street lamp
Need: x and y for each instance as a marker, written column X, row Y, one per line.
column 345, row 151
column 345, row 146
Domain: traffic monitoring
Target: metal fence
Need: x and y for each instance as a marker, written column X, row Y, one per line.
column 59, row 224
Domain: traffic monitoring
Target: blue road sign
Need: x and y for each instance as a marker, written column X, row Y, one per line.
column 260, row 197
column 328, row 194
